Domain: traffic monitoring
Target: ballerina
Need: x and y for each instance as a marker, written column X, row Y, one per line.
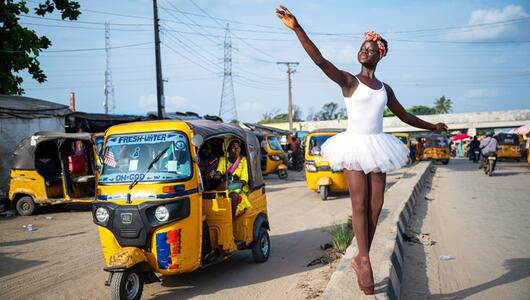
column 363, row 151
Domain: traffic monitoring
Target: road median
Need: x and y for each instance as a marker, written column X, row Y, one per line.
column 387, row 248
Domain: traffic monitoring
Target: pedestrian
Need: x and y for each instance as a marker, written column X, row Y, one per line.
column 363, row 151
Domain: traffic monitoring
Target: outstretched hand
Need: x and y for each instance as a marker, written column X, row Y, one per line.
column 440, row 127
column 287, row 17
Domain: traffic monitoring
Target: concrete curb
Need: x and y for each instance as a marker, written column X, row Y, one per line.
column 387, row 248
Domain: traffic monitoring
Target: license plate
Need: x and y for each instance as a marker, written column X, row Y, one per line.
column 126, row 218
column 492, row 158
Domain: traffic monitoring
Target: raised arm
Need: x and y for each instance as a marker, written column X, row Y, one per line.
column 400, row 112
column 339, row 76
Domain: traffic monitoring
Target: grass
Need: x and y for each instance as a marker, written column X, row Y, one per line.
column 341, row 236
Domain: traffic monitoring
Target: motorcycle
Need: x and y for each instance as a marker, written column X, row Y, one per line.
column 295, row 160
column 476, row 155
column 489, row 163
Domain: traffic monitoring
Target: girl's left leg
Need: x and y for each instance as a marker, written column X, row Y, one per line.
column 377, row 183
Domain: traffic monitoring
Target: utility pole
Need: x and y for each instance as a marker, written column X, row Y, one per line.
column 290, row 106
column 227, row 108
column 159, row 82
column 109, row 87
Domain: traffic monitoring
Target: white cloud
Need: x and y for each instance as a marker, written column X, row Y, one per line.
column 340, row 53
column 475, row 99
column 250, row 110
column 489, row 32
column 148, row 103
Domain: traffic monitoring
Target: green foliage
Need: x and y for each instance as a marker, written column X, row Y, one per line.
column 330, row 111
column 342, row 235
column 443, row 105
column 388, row 113
column 276, row 117
column 20, row 47
column 419, row 110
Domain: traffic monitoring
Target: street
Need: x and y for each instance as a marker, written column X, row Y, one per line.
column 62, row 258
column 482, row 224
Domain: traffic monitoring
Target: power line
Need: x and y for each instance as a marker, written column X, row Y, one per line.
column 237, row 37
column 80, row 50
column 208, row 34
column 85, row 22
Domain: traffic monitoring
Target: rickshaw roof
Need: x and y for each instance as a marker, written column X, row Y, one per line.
column 427, row 135
column 24, row 154
column 327, row 130
column 263, row 129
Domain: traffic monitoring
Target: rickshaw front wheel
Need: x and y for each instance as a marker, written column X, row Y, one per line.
column 25, row 206
column 282, row 174
column 127, row 285
column 324, row 191
column 261, row 246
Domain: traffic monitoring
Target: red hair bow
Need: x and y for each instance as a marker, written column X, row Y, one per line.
column 375, row 37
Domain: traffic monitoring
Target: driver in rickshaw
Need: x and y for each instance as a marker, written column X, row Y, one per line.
column 233, row 166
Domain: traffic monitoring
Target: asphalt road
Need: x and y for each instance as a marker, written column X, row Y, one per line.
column 483, row 223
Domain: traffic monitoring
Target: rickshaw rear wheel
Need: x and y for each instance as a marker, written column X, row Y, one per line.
column 282, row 174
column 26, row 206
column 324, row 192
column 261, row 247
column 445, row 162
column 127, row 285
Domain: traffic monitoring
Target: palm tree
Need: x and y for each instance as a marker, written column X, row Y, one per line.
column 443, row 105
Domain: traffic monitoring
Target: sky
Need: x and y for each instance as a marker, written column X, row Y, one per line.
column 475, row 53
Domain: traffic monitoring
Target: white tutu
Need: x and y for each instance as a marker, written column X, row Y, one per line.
column 365, row 152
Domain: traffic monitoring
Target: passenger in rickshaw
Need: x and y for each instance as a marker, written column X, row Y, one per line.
column 233, row 166
column 208, row 166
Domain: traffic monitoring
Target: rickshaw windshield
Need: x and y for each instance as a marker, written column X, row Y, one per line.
column 403, row 139
column 274, row 143
column 315, row 144
column 438, row 142
column 508, row 140
column 127, row 158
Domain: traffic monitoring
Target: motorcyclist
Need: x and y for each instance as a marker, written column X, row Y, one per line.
column 488, row 146
column 474, row 145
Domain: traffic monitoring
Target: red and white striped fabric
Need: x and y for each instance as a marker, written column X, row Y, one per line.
column 109, row 159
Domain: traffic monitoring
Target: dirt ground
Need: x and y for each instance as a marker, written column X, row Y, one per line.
column 62, row 258
column 482, row 223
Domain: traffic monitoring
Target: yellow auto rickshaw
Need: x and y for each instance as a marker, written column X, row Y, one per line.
column 404, row 138
column 319, row 175
column 152, row 212
column 508, row 146
column 52, row 168
column 272, row 155
column 435, row 147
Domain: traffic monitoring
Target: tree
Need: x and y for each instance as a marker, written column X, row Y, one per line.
column 443, row 105
column 328, row 112
column 388, row 112
column 419, row 110
column 297, row 114
column 20, row 47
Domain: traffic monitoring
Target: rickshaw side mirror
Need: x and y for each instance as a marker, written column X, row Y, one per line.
column 197, row 140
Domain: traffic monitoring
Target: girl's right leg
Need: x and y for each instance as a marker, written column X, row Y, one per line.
column 358, row 187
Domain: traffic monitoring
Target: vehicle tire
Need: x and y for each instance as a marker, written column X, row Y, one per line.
column 26, row 206
column 490, row 168
column 445, row 162
column 324, row 191
column 282, row 174
column 261, row 247
column 127, row 285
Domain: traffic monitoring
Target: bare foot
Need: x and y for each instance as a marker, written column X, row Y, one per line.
column 363, row 269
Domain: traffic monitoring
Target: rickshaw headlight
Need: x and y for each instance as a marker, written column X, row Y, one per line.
column 102, row 215
column 311, row 167
column 276, row 157
column 161, row 214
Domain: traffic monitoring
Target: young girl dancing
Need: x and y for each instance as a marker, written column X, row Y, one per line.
column 363, row 151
